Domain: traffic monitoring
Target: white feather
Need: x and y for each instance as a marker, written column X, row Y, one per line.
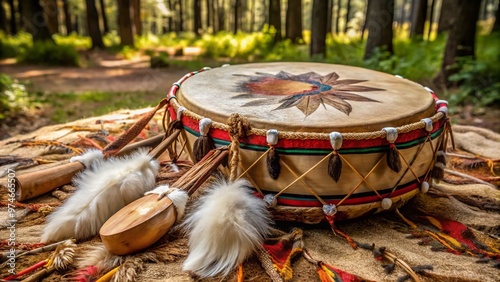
column 226, row 227
column 88, row 158
column 103, row 189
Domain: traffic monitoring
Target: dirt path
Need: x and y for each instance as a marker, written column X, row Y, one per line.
column 106, row 73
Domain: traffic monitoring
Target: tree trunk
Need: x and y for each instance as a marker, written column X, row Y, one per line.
column 365, row 24
column 447, row 15
column 50, row 12
column 347, row 18
column 67, row 17
column 275, row 18
column 431, row 20
column 236, row 15
column 93, row 25
column 125, row 29
column 221, row 15
column 104, row 18
column 318, row 28
column 209, row 13
column 180, row 18
column 380, row 17
column 3, row 19
column 252, row 17
column 170, row 21
column 337, row 19
column 12, row 20
column 461, row 39
column 403, row 13
column 136, row 13
column 419, row 15
column 33, row 20
column 329, row 17
column 197, row 17
column 496, row 26
column 294, row 20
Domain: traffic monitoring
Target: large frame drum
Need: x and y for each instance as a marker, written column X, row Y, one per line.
column 350, row 141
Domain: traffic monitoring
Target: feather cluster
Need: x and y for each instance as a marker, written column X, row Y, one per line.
column 225, row 228
column 103, row 189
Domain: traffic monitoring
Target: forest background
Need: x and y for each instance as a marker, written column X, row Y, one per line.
column 452, row 46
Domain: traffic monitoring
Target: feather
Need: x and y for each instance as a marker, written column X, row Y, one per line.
column 103, row 189
column 226, row 227
column 273, row 163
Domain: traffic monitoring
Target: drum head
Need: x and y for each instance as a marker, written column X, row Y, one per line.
column 307, row 97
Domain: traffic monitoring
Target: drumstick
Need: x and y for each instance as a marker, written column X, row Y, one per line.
column 30, row 185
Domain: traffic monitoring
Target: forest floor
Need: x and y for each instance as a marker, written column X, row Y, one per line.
column 109, row 73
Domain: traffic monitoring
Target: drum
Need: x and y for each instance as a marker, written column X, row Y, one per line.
column 317, row 138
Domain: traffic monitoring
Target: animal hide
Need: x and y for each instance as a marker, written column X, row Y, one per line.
column 103, row 189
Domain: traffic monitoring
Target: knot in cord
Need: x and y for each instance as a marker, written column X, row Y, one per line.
column 239, row 126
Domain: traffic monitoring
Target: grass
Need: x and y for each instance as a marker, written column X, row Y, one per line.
column 66, row 107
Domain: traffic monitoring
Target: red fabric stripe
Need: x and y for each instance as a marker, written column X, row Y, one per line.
column 310, row 143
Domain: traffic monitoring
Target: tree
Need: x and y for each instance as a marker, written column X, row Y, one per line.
column 446, row 16
column 275, row 18
column 3, row 18
column 221, row 14
column 419, row 15
column 12, row 20
column 104, row 17
column 337, row 19
column 431, row 19
column 67, row 17
column 136, row 16
column 236, row 15
column 50, row 12
column 347, row 14
column 33, row 20
column 180, row 28
column 365, row 24
column 318, row 27
column 209, row 8
column 93, row 24
column 496, row 26
column 329, row 17
column 294, row 21
column 197, row 17
column 125, row 29
column 380, row 18
column 461, row 39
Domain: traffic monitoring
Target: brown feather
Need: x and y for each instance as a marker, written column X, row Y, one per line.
column 438, row 173
column 335, row 167
column 202, row 146
column 273, row 163
column 393, row 160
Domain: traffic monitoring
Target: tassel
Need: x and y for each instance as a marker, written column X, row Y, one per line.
column 273, row 159
column 203, row 144
column 441, row 157
column 175, row 125
column 103, row 189
column 393, row 159
column 226, row 227
column 438, row 171
column 335, row 162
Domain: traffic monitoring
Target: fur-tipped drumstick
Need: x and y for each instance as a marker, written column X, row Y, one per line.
column 144, row 221
column 36, row 183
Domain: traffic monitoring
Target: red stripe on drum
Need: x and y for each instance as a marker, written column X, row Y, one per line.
column 257, row 140
column 351, row 201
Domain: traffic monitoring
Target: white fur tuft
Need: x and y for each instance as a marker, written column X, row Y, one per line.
column 178, row 197
column 103, row 189
column 226, row 227
column 88, row 158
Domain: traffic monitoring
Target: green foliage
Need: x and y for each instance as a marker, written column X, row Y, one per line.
column 13, row 97
column 11, row 46
column 49, row 53
column 79, row 42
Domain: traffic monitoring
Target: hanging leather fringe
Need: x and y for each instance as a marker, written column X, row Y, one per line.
column 393, row 159
column 273, row 163
column 438, row 171
column 204, row 143
column 273, row 158
column 335, row 162
column 335, row 166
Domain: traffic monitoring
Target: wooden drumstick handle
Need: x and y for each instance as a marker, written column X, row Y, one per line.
column 36, row 183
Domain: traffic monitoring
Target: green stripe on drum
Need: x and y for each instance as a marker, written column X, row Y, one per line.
column 295, row 151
